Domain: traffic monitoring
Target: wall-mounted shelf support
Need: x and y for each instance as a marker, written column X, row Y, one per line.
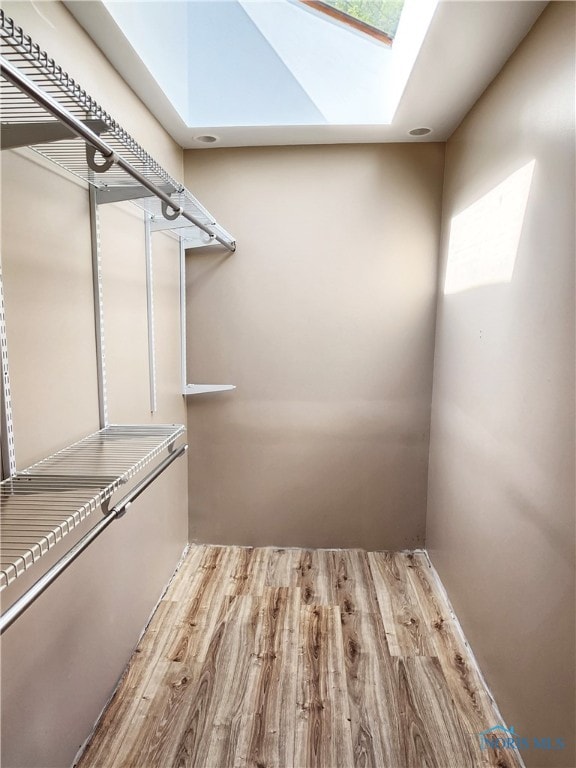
column 191, row 389
column 19, row 495
column 97, row 288
column 120, row 194
column 94, row 143
column 7, row 448
column 42, row 504
column 150, row 314
column 203, row 389
column 44, row 109
column 15, row 135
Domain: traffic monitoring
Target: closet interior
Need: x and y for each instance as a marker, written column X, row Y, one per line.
column 270, row 596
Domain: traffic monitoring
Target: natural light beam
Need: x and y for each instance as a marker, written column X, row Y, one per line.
column 484, row 237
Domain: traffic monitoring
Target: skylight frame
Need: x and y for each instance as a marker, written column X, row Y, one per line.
column 351, row 21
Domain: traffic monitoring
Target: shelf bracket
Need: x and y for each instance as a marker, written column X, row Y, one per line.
column 204, row 389
column 191, row 389
column 120, row 194
column 16, row 135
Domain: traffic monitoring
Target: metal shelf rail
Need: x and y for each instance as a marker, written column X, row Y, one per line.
column 25, row 601
column 44, row 109
column 40, row 505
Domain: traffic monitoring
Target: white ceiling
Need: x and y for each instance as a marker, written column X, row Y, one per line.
column 249, row 77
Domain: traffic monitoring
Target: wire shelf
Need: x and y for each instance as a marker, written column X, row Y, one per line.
column 27, row 123
column 179, row 226
column 43, row 503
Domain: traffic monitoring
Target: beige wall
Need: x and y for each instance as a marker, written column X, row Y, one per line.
column 500, row 526
column 323, row 318
column 61, row 660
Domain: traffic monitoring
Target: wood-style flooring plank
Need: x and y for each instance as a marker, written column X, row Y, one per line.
column 205, row 601
column 312, row 577
column 473, row 702
column 323, row 733
column 432, row 734
column 213, row 712
column 143, row 665
column 188, row 639
column 249, row 577
column 114, row 725
column 282, row 568
column 272, row 658
column 399, row 608
column 268, row 727
column 368, row 664
column 185, row 579
column 353, row 586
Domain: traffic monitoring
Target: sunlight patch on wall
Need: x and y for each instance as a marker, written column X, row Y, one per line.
column 484, row 237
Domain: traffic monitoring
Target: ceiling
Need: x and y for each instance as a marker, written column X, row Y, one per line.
column 273, row 72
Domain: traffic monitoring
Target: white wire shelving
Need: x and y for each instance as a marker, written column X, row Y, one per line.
column 40, row 505
column 45, row 109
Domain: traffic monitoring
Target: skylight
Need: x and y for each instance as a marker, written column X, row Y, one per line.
column 281, row 72
column 378, row 18
column 265, row 63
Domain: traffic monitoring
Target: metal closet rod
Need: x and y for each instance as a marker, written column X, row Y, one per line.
column 119, row 509
column 12, row 73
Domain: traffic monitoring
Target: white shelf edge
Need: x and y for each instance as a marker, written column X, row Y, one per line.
column 201, row 389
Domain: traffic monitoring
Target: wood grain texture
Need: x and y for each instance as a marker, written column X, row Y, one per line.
column 432, row 735
column 285, row 658
column 472, row 700
column 268, row 728
column 282, row 568
column 369, row 670
column 323, row 735
column 399, row 607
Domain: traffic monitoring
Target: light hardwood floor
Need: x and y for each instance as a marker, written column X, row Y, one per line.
column 283, row 658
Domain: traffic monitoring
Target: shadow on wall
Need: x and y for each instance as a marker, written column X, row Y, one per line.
column 294, row 471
